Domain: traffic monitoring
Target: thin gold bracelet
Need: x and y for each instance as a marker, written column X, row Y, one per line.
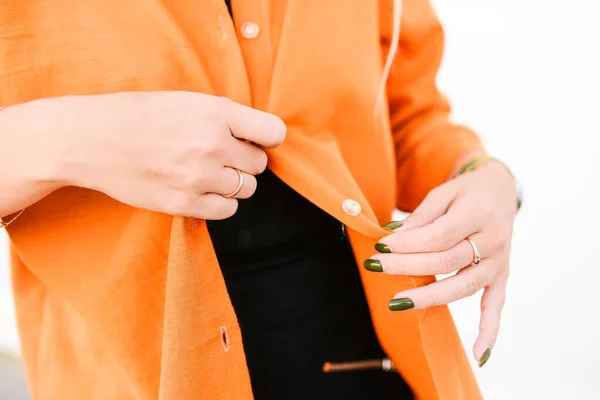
column 476, row 161
column 13, row 219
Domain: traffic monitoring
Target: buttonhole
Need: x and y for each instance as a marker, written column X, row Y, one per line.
column 224, row 337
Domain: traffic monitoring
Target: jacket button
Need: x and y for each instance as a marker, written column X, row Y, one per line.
column 250, row 30
column 351, row 207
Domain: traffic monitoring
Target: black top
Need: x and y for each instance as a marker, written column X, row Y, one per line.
column 295, row 287
column 294, row 284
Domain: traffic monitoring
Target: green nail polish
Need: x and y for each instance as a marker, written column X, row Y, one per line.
column 390, row 226
column 401, row 304
column 485, row 357
column 383, row 248
column 373, row 265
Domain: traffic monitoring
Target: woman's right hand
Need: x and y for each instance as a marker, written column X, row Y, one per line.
column 171, row 152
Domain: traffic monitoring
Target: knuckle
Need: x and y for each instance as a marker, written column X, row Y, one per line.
column 500, row 244
column 433, row 300
column 489, row 213
column 417, row 218
column 486, row 308
column 443, row 191
column 225, row 101
column 435, row 193
column 471, row 286
column 225, row 208
column 182, row 203
column 211, row 148
column 211, row 115
column 216, row 109
column 260, row 164
column 449, row 262
column 221, row 105
column 192, row 179
column 504, row 241
column 494, row 309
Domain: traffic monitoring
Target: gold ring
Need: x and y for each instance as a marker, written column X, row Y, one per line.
column 239, row 186
column 476, row 254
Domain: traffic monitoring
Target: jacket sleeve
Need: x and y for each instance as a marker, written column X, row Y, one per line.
column 428, row 146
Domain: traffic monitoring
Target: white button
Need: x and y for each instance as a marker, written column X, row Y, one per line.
column 250, row 30
column 351, row 207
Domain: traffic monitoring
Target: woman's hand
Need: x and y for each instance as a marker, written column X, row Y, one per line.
column 171, row 152
column 479, row 205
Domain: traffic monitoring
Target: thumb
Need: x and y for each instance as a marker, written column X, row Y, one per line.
column 259, row 127
column 435, row 204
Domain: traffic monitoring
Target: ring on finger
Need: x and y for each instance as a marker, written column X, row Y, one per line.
column 239, row 186
column 476, row 254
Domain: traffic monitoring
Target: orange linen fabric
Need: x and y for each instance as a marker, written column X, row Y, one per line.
column 121, row 303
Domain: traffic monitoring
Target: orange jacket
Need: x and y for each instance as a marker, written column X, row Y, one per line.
column 121, row 303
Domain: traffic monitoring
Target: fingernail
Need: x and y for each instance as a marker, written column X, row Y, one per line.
column 485, row 357
column 401, row 304
column 373, row 265
column 383, row 248
column 390, row 226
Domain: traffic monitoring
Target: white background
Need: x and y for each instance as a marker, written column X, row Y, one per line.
column 525, row 74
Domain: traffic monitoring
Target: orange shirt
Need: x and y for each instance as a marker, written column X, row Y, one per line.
column 121, row 303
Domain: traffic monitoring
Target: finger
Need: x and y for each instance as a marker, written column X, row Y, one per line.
column 445, row 232
column 245, row 156
column 209, row 206
column 228, row 181
column 259, row 127
column 492, row 303
column 434, row 205
column 214, row 207
column 465, row 283
column 423, row 264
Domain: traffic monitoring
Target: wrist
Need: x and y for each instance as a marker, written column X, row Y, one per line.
column 35, row 147
column 484, row 162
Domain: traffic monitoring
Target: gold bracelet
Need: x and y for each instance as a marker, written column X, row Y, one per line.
column 476, row 162
column 13, row 219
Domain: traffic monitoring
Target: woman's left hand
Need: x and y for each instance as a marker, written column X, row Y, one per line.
column 478, row 205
